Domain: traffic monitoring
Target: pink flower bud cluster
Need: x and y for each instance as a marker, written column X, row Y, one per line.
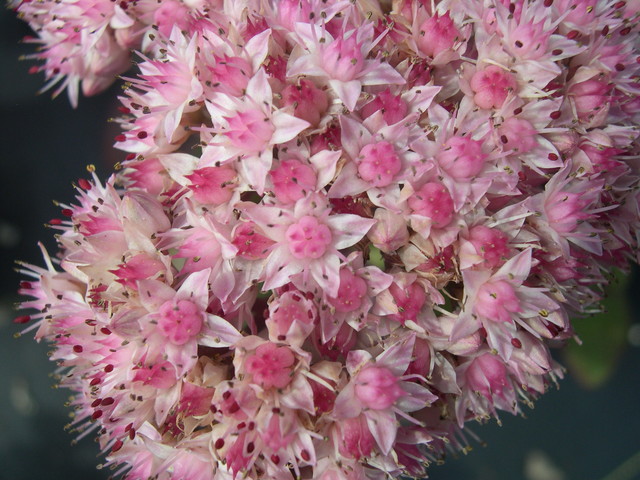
column 342, row 230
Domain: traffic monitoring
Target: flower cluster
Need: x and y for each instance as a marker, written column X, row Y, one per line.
column 342, row 230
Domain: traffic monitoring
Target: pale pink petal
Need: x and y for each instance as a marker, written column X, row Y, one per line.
column 378, row 73
column 348, row 229
column 287, row 127
column 398, row 356
column 217, row 332
column 347, row 92
column 384, row 427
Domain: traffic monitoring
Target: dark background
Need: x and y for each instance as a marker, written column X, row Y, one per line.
column 573, row 433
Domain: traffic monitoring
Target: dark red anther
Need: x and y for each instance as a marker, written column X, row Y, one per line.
column 95, row 382
column 34, row 69
column 142, row 135
column 556, row 114
column 620, row 5
column 305, row 455
column 108, row 368
column 619, row 67
column 67, row 212
column 213, row 409
column 91, row 322
column 516, row 343
column 78, row 348
column 573, row 34
column 252, row 425
column 117, row 446
column 219, row 443
column 552, row 156
column 25, row 285
column 132, row 434
column 625, row 31
column 250, row 447
column 605, row 31
column 517, row 111
column 124, row 110
column 128, row 427
column 233, row 408
column 226, row 395
column 84, row 184
column 131, row 156
column 107, row 401
column 548, row 3
column 504, row 139
column 275, row 459
column 96, row 403
column 556, row 51
column 55, row 221
column 105, row 331
column 22, row 319
column 96, row 415
column 120, row 138
column 554, row 330
column 241, row 425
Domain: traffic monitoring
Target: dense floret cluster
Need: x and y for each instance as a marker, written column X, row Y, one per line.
column 343, row 229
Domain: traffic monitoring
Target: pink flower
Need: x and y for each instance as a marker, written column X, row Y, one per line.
column 270, row 366
column 341, row 231
column 377, row 388
column 249, row 128
column 492, row 85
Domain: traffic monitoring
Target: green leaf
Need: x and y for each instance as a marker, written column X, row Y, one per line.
column 375, row 257
column 603, row 337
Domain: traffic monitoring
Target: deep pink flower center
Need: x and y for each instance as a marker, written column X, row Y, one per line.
column 487, row 375
column 308, row 238
column 351, row 292
column 356, row 440
column 212, row 185
column 496, row 301
column 378, row 163
column 343, row 59
column 490, row 243
column 564, row 210
column 434, row 201
column 292, row 180
column 179, row 321
column 393, row 107
column 462, row 157
column 271, row 365
column 309, row 102
column 232, row 73
column 409, row 300
column 590, row 96
column 377, row 388
column 491, row 86
column 528, row 40
column 250, row 243
column 517, row 134
column 250, row 131
column 437, row 34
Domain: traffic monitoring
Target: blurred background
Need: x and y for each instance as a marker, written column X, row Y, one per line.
column 589, row 429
